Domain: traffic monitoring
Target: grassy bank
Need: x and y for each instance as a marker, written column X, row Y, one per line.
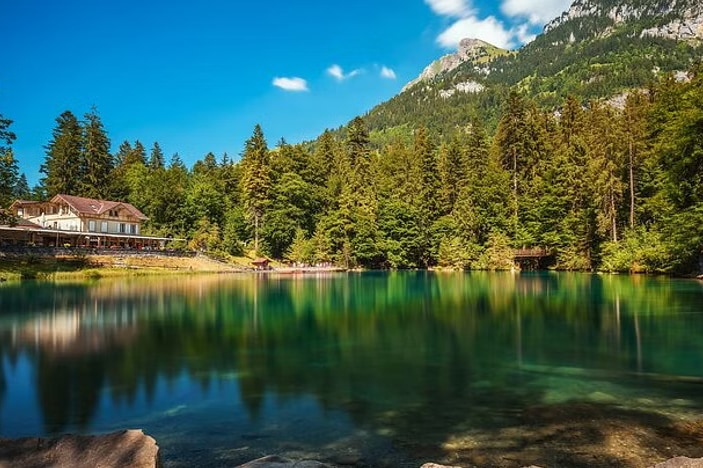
column 100, row 266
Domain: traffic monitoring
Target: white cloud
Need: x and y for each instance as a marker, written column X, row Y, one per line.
column 523, row 33
column 456, row 8
column 489, row 29
column 291, row 84
column 468, row 24
column 537, row 12
column 387, row 73
column 337, row 72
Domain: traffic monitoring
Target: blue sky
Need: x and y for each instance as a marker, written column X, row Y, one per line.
column 197, row 76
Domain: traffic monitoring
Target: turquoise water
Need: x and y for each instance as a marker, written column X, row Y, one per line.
column 378, row 369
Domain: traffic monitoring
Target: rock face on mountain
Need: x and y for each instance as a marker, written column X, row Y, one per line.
column 597, row 50
column 677, row 19
column 470, row 50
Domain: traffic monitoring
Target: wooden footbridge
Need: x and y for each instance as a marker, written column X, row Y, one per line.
column 532, row 258
column 537, row 253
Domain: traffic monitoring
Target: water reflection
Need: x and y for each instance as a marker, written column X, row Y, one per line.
column 411, row 356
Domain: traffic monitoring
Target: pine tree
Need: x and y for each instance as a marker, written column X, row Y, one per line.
column 63, row 167
column 6, row 136
column 8, row 163
column 156, row 161
column 138, row 154
column 22, row 190
column 358, row 150
column 256, row 180
column 429, row 185
column 512, row 143
column 96, row 158
column 8, row 177
column 450, row 166
column 634, row 127
column 605, row 168
column 570, row 193
column 322, row 159
column 125, row 157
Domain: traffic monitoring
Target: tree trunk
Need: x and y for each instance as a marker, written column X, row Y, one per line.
column 256, row 233
column 515, row 189
column 632, row 184
column 613, row 215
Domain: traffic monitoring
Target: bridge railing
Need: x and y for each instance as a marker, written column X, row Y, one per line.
column 538, row 252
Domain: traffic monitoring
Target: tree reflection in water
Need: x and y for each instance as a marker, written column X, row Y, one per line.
column 416, row 357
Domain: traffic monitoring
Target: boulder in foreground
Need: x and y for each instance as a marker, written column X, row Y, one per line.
column 119, row 449
column 681, row 462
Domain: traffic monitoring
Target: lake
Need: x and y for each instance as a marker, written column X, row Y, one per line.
column 368, row 369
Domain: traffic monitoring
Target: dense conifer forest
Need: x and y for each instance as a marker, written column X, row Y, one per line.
column 600, row 188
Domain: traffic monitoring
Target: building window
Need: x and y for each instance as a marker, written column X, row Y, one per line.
column 103, row 226
column 91, row 226
column 132, row 228
column 123, row 228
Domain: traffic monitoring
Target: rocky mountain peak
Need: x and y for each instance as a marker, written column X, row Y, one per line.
column 469, row 50
column 674, row 19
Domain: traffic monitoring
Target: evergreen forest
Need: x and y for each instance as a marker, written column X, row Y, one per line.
column 598, row 187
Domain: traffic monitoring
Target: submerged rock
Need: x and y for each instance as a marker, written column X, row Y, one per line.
column 124, row 448
column 274, row 461
column 435, row 465
column 681, row 462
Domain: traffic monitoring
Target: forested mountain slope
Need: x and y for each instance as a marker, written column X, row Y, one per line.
column 597, row 49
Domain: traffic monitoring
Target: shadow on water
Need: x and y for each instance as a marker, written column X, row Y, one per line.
column 469, row 369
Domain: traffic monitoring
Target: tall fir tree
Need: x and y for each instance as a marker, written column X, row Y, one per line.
column 156, row 159
column 22, row 190
column 63, row 167
column 605, row 168
column 7, row 137
column 634, row 128
column 8, row 163
column 256, row 180
column 511, row 143
column 322, row 159
column 358, row 150
column 8, row 177
column 96, row 158
column 450, row 167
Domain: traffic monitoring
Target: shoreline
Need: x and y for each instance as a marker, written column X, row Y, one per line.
column 19, row 267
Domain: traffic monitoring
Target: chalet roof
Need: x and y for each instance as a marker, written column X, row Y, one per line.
column 24, row 224
column 21, row 203
column 27, row 202
column 91, row 206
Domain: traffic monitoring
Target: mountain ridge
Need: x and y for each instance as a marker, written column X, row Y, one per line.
column 597, row 49
column 474, row 50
